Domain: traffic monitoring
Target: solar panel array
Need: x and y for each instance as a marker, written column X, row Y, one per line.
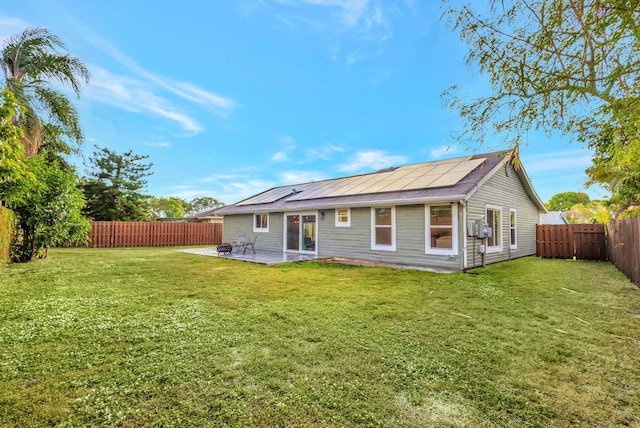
column 412, row 177
column 269, row 196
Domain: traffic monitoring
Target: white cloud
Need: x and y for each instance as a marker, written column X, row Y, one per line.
column 280, row 157
column 355, row 20
column 228, row 192
column 288, row 141
column 220, row 177
column 325, row 152
column 442, row 151
column 134, row 95
column 10, row 26
column 214, row 103
column 562, row 161
column 289, row 145
column 296, row 177
column 160, row 144
column 349, row 12
column 353, row 57
column 236, row 191
column 372, row 160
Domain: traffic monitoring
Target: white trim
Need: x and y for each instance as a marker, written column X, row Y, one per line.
column 484, row 179
column 495, row 248
column 260, row 229
column 454, row 231
column 528, row 185
column 465, row 242
column 513, row 245
column 360, row 204
column 284, row 232
column 345, row 223
column 375, row 246
column 524, row 178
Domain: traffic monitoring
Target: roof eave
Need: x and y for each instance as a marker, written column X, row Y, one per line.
column 325, row 204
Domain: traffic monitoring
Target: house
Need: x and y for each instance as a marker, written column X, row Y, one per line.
column 419, row 215
column 553, row 217
column 208, row 216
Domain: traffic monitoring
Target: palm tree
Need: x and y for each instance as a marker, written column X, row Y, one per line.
column 31, row 61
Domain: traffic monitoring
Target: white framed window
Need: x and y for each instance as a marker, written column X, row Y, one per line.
column 343, row 217
column 513, row 229
column 383, row 228
column 261, row 222
column 441, row 225
column 494, row 220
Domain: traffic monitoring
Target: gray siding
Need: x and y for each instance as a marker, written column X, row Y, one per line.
column 242, row 224
column 504, row 189
column 355, row 241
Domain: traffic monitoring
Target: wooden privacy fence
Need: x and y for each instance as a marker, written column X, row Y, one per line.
column 112, row 234
column 566, row 241
column 623, row 240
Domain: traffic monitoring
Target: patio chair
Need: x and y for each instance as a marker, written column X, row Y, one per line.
column 239, row 242
column 250, row 244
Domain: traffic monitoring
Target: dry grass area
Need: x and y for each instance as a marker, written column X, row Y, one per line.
column 141, row 337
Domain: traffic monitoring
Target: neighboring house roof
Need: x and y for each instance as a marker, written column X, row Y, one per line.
column 553, row 217
column 444, row 180
column 204, row 214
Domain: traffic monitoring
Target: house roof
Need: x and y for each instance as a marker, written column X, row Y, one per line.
column 443, row 180
column 553, row 217
column 205, row 214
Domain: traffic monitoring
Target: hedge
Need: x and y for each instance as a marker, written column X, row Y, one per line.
column 6, row 232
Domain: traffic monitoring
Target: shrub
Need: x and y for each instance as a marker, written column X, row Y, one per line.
column 7, row 220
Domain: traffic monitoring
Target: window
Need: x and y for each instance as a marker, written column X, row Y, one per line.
column 383, row 229
column 261, row 222
column 513, row 230
column 442, row 231
column 494, row 219
column 343, row 217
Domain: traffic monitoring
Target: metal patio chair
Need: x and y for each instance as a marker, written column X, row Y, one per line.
column 250, row 244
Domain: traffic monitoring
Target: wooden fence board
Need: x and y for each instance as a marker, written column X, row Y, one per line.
column 566, row 241
column 623, row 242
column 112, row 234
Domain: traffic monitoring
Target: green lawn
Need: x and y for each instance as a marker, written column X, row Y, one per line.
column 141, row 337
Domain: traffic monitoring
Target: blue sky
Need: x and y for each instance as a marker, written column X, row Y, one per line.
column 230, row 98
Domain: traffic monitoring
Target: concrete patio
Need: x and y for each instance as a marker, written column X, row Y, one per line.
column 264, row 257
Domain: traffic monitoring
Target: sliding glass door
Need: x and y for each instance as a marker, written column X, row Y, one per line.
column 293, row 232
column 301, row 231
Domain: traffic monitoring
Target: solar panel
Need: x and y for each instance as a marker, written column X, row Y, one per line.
column 361, row 188
column 374, row 178
column 399, row 173
column 411, row 177
column 421, row 182
column 419, row 170
column 269, row 196
column 469, row 165
column 379, row 186
column 343, row 190
column 441, row 169
column 449, row 179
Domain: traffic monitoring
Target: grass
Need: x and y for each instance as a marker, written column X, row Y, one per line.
column 151, row 337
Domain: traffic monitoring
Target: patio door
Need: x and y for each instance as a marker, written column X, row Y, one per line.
column 301, row 231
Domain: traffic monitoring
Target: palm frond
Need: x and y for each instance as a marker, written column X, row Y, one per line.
column 30, row 61
column 60, row 111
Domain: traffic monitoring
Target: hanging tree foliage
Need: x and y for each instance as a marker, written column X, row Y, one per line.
column 566, row 65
